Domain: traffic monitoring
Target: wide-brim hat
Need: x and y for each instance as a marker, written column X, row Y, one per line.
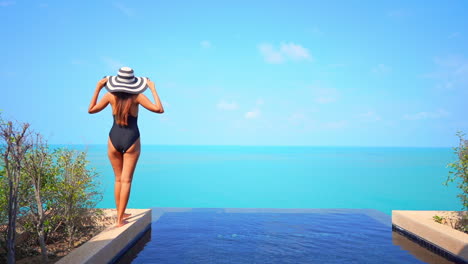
column 126, row 82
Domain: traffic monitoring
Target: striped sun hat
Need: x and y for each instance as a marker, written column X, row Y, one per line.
column 126, row 82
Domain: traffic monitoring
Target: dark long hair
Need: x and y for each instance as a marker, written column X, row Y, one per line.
column 122, row 109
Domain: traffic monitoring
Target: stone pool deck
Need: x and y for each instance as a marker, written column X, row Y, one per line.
column 421, row 226
column 108, row 245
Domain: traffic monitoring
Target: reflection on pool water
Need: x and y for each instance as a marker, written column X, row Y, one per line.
column 217, row 235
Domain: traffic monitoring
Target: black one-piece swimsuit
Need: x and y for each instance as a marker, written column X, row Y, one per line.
column 123, row 137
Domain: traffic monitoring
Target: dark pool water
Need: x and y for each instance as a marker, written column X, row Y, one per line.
column 204, row 235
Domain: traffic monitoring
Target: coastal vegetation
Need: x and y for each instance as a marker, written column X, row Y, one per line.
column 458, row 173
column 46, row 195
column 459, row 170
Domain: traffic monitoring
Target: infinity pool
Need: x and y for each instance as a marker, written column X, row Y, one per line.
column 217, row 235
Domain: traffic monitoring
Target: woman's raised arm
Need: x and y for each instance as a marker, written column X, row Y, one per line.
column 146, row 103
column 93, row 107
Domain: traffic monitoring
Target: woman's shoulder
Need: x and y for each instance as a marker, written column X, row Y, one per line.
column 139, row 96
column 109, row 97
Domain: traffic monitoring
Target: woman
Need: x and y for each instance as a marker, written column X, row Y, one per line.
column 125, row 94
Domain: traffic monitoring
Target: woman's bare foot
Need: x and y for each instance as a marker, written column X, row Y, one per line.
column 121, row 223
column 126, row 215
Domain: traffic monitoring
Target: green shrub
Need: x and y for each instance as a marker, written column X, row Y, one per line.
column 77, row 189
column 459, row 173
column 459, row 170
column 53, row 191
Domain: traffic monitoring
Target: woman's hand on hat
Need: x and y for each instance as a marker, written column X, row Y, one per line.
column 102, row 83
column 150, row 83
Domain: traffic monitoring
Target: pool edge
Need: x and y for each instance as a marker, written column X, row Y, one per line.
column 108, row 245
column 420, row 227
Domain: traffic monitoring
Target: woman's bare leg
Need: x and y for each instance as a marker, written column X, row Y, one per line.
column 116, row 159
column 130, row 159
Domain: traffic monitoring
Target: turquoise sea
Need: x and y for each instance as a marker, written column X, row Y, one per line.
column 382, row 178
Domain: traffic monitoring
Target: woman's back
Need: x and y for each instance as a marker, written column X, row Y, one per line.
column 123, row 104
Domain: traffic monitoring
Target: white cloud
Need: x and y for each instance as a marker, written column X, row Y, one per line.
column 223, row 105
column 205, row 44
column 112, row 64
column 270, row 54
column 253, row 114
column 381, row 69
column 286, row 51
column 6, row 3
column 451, row 73
column 441, row 113
column 295, row 52
column 124, row 9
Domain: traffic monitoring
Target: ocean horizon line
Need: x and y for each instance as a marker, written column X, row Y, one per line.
column 267, row 146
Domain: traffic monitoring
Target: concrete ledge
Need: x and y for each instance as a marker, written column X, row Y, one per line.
column 421, row 224
column 110, row 243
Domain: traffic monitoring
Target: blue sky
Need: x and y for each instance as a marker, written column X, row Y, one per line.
column 315, row 73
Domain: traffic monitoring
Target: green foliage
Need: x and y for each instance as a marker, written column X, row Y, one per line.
column 57, row 182
column 438, row 219
column 3, row 205
column 2, row 179
column 464, row 224
column 77, row 188
column 3, row 196
column 41, row 202
column 459, row 170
